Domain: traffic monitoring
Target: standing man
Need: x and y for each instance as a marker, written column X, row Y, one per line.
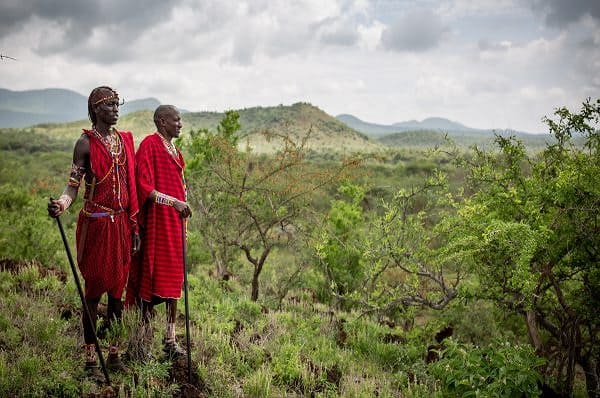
column 107, row 232
column 162, row 197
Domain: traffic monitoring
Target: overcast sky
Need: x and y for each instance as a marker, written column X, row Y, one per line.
column 484, row 63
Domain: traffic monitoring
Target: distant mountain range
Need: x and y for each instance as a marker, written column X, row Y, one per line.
column 429, row 124
column 53, row 105
column 436, row 131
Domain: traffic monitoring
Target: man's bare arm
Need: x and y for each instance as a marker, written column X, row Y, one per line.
column 81, row 154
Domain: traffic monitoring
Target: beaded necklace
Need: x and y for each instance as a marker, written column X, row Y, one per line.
column 114, row 146
column 173, row 152
column 111, row 141
column 169, row 146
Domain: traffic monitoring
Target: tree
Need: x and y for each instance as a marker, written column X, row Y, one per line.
column 248, row 202
column 531, row 233
column 339, row 257
column 206, row 149
column 393, row 259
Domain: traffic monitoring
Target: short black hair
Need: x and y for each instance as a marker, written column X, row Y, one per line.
column 161, row 110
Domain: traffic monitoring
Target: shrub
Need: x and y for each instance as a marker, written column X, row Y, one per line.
column 497, row 370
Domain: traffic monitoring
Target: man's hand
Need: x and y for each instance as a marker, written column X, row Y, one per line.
column 55, row 208
column 182, row 208
column 136, row 242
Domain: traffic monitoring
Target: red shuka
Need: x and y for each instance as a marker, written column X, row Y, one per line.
column 161, row 270
column 104, row 241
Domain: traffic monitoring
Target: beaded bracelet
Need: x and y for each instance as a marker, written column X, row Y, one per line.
column 65, row 201
column 163, row 199
column 73, row 182
column 77, row 173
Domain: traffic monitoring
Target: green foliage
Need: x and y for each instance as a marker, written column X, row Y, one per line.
column 530, row 233
column 26, row 231
column 259, row 383
column 521, row 238
column 370, row 342
column 287, row 364
column 149, row 380
column 28, row 142
column 205, row 147
column 498, row 370
column 248, row 203
column 32, row 334
column 341, row 261
column 395, row 258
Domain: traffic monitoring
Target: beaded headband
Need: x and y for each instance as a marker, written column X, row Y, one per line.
column 108, row 97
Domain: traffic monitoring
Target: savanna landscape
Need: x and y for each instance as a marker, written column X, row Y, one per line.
column 327, row 262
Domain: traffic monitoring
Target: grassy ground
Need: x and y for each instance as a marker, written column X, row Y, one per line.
column 239, row 348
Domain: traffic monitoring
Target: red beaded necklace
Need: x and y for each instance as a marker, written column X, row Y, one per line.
column 114, row 146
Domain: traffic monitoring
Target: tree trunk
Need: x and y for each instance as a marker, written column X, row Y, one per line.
column 258, row 265
column 255, row 275
column 218, row 259
column 534, row 334
column 221, row 268
column 592, row 378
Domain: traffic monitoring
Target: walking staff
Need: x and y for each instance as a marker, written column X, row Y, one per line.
column 186, row 303
column 86, row 310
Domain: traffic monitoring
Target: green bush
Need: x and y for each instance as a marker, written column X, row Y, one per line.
column 497, row 370
column 259, row 383
column 26, row 231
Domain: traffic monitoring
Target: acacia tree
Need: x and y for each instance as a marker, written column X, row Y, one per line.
column 204, row 149
column 531, row 232
column 246, row 201
column 392, row 260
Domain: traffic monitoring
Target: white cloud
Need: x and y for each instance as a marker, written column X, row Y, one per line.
column 417, row 30
column 482, row 63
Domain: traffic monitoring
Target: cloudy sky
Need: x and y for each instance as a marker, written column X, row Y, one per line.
column 484, row 63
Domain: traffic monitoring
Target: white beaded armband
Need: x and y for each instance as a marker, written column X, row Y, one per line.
column 163, row 199
column 65, row 201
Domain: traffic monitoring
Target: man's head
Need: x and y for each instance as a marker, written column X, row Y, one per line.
column 103, row 105
column 168, row 121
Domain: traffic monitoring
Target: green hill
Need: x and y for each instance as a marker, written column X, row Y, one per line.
column 53, row 105
column 483, row 139
column 326, row 133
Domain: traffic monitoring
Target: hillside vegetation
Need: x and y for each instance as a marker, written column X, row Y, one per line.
column 465, row 139
column 420, row 273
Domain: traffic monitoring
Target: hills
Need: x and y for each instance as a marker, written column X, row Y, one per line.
column 326, row 133
column 61, row 113
column 380, row 130
column 428, row 124
column 52, row 105
column 435, row 130
column 297, row 120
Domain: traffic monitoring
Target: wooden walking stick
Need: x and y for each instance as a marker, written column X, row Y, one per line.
column 187, row 306
column 86, row 310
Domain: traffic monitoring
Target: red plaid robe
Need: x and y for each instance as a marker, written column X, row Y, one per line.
column 104, row 242
column 160, row 269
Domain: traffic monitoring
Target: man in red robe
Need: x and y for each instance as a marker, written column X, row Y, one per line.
column 107, row 232
column 162, row 197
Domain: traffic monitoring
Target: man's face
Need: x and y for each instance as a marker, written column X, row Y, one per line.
column 171, row 122
column 108, row 111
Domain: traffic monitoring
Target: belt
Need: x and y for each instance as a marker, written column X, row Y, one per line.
column 110, row 214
